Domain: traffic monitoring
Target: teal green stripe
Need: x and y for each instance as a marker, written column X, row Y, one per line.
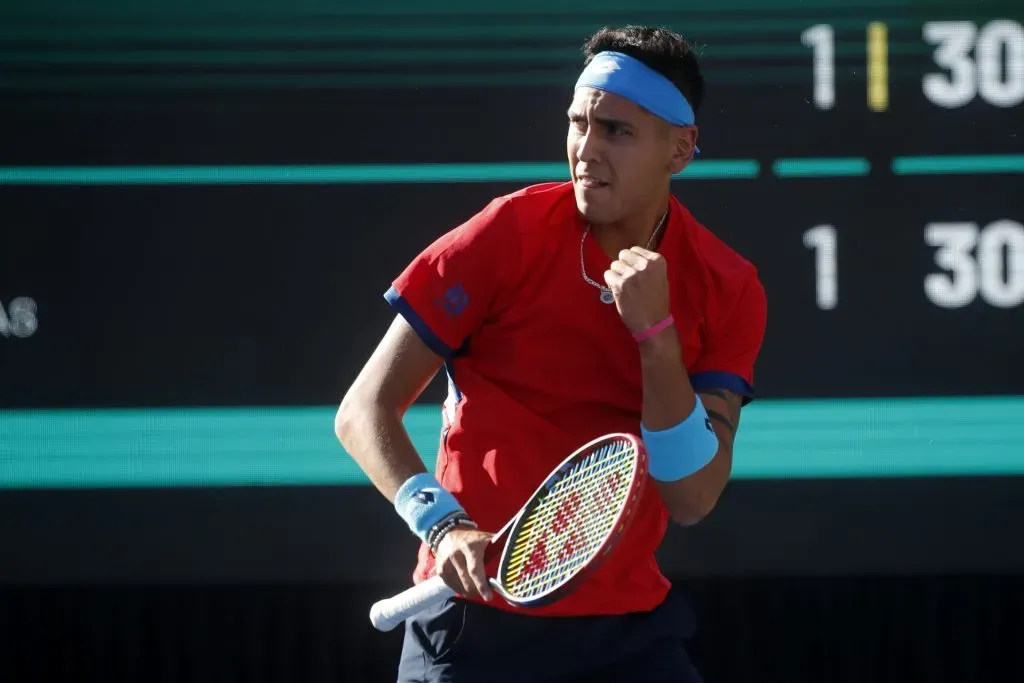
column 439, row 55
column 614, row 11
column 288, row 28
column 215, row 56
column 707, row 169
column 821, row 168
column 166, row 81
column 730, row 168
column 939, row 165
column 163, row 10
column 557, row 75
column 318, row 175
column 307, row 174
column 296, row 446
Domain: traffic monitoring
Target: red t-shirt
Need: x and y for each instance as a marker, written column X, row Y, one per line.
column 538, row 365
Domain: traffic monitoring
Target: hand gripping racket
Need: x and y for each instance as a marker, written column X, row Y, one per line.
column 563, row 532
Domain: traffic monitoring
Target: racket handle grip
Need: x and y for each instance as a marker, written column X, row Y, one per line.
column 389, row 613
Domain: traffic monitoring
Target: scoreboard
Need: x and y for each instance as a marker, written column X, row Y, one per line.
column 203, row 206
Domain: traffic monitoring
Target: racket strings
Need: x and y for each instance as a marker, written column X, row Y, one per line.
column 571, row 540
column 572, row 522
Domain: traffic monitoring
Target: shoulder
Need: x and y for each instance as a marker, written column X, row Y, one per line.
column 524, row 224
column 719, row 260
column 729, row 278
column 496, row 242
column 539, row 205
column 540, row 195
column 524, row 211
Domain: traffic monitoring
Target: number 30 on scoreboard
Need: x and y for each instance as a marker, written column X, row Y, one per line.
column 986, row 262
column 999, row 82
column 975, row 261
column 985, row 61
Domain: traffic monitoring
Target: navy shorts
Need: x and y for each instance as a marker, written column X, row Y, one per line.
column 459, row 642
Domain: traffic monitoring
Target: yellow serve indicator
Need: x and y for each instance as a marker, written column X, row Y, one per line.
column 878, row 66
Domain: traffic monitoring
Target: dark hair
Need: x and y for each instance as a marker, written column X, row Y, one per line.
column 663, row 50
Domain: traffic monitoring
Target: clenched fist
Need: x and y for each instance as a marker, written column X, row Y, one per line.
column 639, row 281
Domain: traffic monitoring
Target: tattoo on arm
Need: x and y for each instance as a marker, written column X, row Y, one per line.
column 730, row 419
column 724, row 395
column 714, row 415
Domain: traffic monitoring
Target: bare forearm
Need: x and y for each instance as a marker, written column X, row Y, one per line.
column 668, row 399
column 378, row 442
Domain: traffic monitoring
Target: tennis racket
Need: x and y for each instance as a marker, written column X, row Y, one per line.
column 565, row 531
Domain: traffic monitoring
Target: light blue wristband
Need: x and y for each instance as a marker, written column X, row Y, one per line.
column 683, row 449
column 422, row 502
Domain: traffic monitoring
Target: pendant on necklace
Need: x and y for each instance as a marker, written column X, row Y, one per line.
column 607, row 297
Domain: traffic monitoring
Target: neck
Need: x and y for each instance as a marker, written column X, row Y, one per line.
column 635, row 231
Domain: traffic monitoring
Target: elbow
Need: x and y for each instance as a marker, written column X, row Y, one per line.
column 692, row 510
column 690, row 500
column 342, row 424
column 362, row 414
column 689, row 515
column 347, row 419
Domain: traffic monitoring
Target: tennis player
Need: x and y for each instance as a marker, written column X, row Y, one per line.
column 562, row 312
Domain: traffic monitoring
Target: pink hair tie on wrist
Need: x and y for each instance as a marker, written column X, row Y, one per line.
column 654, row 329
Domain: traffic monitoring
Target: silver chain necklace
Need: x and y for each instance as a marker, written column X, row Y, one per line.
column 606, row 294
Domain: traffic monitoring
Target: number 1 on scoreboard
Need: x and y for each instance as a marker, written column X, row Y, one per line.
column 822, row 239
column 822, row 39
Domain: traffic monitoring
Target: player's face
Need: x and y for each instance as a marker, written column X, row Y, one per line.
column 620, row 155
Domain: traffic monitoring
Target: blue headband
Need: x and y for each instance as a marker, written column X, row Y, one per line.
column 623, row 75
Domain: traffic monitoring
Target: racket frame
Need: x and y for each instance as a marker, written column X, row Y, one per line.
column 618, row 529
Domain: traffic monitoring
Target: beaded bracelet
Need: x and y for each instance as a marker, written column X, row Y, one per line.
column 441, row 529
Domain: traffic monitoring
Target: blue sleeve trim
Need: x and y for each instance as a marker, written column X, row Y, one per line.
column 402, row 306
column 723, row 380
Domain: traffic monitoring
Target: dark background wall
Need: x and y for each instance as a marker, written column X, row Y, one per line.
column 201, row 207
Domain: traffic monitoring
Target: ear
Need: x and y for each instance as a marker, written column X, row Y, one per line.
column 685, row 143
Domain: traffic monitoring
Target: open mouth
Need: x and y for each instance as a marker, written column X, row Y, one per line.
column 591, row 183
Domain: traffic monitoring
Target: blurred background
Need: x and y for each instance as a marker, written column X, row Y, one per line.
column 202, row 204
